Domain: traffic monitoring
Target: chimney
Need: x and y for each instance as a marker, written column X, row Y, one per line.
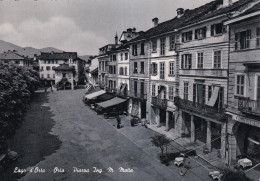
column 227, row 2
column 155, row 21
column 180, row 12
column 134, row 29
column 129, row 30
column 116, row 39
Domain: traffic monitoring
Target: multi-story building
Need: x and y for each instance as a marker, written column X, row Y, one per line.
column 244, row 85
column 48, row 62
column 17, row 59
column 91, row 71
column 204, row 73
column 139, row 75
column 103, row 59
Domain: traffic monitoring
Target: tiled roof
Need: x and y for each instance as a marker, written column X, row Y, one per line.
column 10, row 55
column 253, row 9
column 57, row 56
column 209, row 10
column 63, row 67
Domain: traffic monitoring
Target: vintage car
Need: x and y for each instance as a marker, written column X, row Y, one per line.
column 179, row 161
column 215, row 175
column 243, row 163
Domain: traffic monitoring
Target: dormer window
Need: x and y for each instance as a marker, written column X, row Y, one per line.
column 154, row 45
column 200, row 33
column 218, row 29
column 187, row 36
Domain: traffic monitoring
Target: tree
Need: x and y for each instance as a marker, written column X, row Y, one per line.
column 160, row 141
column 230, row 175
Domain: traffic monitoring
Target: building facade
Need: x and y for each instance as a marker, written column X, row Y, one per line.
column 17, row 59
column 49, row 61
column 244, row 85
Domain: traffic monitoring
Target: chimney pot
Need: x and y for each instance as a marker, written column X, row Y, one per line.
column 155, row 21
column 116, row 39
column 180, row 12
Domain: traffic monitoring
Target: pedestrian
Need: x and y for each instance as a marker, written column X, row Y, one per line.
column 118, row 119
column 51, row 87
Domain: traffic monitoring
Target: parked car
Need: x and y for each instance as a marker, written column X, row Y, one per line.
column 243, row 163
column 188, row 153
column 179, row 161
column 215, row 175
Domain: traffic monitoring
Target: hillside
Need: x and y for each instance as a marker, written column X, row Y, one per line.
column 26, row 51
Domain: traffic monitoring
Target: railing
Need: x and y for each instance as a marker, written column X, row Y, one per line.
column 162, row 103
column 249, row 106
column 201, row 109
column 138, row 95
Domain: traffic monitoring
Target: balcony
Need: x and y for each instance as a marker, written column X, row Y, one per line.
column 201, row 109
column 248, row 106
column 140, row 96
column 204, row 72
column 162, row 103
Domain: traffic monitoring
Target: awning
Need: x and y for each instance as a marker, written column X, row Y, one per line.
column 111, row 102
column 105, row 97
column 95, row 94
column 214, row 97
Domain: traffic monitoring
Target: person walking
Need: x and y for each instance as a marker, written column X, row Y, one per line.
column 118, row 119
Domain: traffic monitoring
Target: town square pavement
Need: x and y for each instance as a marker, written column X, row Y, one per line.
column 91, row 148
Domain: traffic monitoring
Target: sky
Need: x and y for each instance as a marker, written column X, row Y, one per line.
column 81, row 25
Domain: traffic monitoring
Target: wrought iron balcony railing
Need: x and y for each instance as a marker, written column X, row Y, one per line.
column 249, row 106
column 162, row 103
column 201, row 109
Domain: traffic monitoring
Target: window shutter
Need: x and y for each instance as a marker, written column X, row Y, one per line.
column 194, row 92
column 182, row 61
column 156, row 69
column 196, row 34
column 190, row 61
column 212, row 30
column 203, row 94
column 204, row 32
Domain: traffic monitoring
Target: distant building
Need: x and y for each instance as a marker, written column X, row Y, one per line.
column 91, row 71
column 49, row 61
column 17, row 59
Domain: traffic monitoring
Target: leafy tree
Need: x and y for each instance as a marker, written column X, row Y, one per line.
column 231, row 175
column 160, row 141
column 17, row 86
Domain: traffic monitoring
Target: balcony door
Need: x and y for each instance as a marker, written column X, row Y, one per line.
column 199, row 93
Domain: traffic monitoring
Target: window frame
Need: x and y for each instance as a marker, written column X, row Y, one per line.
column 153, row 90
column 142, row 68
column 220, row 63
column 240, row 85
column 162, row 45
column 142, row 49
column 154, row 69
column 187, row 36
column 154, row 45
column 200, row 33
column 186, row 90
column 162, row 70
column 171, row 93
column 186, row 61
column 257, row 37
column 172, row 42
column 171, row 68
column 200, row 60
column 135, row 71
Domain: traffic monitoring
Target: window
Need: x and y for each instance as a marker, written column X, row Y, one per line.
column 48, row 68
column 154, row 45
column 126, row 56
column 258, row 36
column 171, row 68
column 161, row 70
column 221, row 98
column 114, row 69
column 114, row 57
column 111, row 58
column 142, row 49
column 42, row 68
column 142, row 89
column 200, row 33
column 200, row 60
column 53, row 67
column 186, row 61
column 154, row 68
column 162, row 46
column 135, row 67
column 172, row 42
column 217, row 29
column 153, row 90
column 48, row 75
column 125, row 70
column 56, row 61
column 217, row 59
column 142, row 68
column 42, row 75
column 242, row 40
column 186, row 91
column 135, row 88
column 187, row 36
column 134, row 50
column 17, row 62
column 53, row 76
column 121, row 56
column 171, row 93
column 209, row 92
column 240, row 85
column 121, row 71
